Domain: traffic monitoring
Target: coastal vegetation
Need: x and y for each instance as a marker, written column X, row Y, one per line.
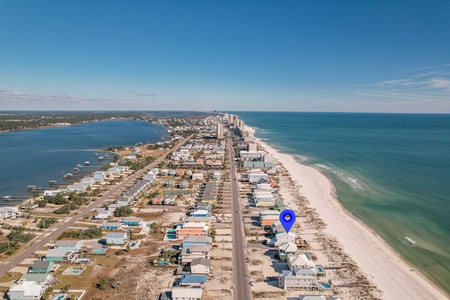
column 46, row 223
column 20, row 120
column 124, row 211
column 18, row 234
column 65, row 209
column 90, row 233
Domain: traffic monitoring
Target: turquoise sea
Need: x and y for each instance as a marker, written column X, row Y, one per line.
column 34, row 157
column 392, row 171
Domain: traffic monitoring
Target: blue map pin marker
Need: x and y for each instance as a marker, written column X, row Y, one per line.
column 287, row 219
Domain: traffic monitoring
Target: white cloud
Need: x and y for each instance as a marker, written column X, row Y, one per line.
column 441, row 83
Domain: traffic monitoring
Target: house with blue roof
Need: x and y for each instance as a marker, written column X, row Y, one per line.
column 111, row 226
column 193, row 280
column 133, row 221
column 190, row 241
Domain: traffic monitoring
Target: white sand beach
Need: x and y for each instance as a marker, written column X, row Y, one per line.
column 389, row 272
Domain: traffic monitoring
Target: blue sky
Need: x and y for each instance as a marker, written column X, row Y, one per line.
column 370, row 56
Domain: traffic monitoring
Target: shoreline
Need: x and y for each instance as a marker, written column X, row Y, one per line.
column 391, row 273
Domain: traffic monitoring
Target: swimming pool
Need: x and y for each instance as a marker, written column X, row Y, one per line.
column 99, row 251
column 133, row 244
column 326, row 285
column 75, row 271
column 320, row 269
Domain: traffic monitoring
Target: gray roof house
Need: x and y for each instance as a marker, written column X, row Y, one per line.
column 200, row 266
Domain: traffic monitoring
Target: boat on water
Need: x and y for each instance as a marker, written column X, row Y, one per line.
column 79, row 166
column 67, row 176
column 53, row 182
column 87, row 163
column 7, row 198
column 76, row 170
column 31, row 187
column 100, row 158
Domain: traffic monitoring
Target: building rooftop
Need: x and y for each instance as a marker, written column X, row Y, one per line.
column 56, row 253
column 41, row 264
column 116, row 234
column 193, row 278
column 189, row 293
column 66, row 243
column 201, row 261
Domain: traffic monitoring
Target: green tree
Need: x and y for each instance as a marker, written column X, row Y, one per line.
column 123, row 211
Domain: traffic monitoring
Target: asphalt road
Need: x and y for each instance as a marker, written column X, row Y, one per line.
column 241, row 283
column 40, row 241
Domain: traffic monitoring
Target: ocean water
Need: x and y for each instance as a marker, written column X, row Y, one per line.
column 392, row 171
column 34, row 157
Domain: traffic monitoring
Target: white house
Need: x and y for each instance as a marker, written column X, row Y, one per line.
column 116, row 238
column 103, row 215
column 185, row 293
column 200, row 266
column 281, row 238
column 300, row 261
column 298, row 278
column 9, row 212
column 26, row 290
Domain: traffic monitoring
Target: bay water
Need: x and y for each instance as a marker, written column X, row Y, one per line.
column 34, row 157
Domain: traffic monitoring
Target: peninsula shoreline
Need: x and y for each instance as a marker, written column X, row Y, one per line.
column 393, row 275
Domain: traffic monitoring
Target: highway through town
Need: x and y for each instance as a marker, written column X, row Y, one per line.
column 41, row 240
column 241, row 283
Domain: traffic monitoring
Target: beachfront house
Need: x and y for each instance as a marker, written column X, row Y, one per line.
column 281, row 238
column 298, row 278
column 133, row 221
column 191, row 241
column 69, row 245
column 41, row 267
column 286, row 249
column 188, row 255
column 267, row 220
column 191, row 229
column 193, row 280
column 277, row 227
column 257, row 176
column 200, row 266
column 186, row 293
column 300, row 261
column 195, row 219
column 116, row 238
